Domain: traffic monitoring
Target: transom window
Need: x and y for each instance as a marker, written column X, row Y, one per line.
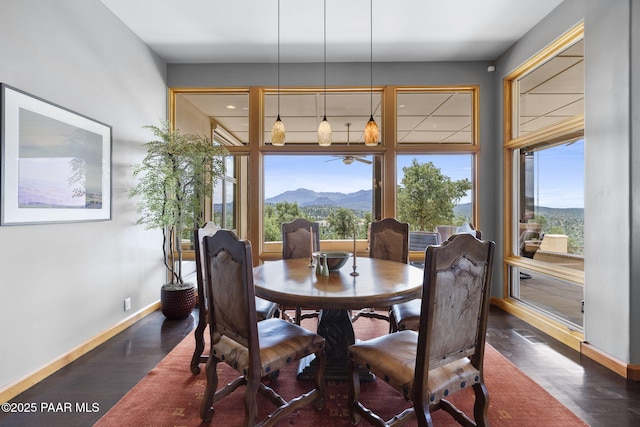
column 272, row 183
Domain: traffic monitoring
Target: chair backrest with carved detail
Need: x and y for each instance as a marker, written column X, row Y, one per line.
column 229, row 270
column 296, row 236
column 209, row 229
column 455, row 303
column 389, row 240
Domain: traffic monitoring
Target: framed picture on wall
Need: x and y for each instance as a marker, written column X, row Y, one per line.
column 55, row 163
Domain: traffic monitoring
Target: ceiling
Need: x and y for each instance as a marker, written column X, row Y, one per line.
column 246, row 31
column 194, row 31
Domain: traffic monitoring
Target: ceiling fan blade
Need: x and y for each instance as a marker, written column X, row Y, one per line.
column 333, row 160
column 360, row 159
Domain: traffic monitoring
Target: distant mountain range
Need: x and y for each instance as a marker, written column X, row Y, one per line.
column 360, row 200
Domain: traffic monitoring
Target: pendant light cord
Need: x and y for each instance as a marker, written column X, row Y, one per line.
column 325, row 59
column 371, row 53
column 278, row 59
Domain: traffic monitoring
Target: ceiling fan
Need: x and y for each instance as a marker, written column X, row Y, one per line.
column 348, row 159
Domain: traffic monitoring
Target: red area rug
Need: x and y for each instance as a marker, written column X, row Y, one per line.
column 170, row 396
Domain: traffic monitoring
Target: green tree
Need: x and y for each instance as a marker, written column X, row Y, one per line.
column 363, row 230
column 271, row 230
column 288, row 211
column 543, row 221
column 275, row 215
column 342, row 222
column 426, row 197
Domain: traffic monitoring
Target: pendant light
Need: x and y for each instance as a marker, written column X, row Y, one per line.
column 371, row 132
column 324, row 130
column 278, row 132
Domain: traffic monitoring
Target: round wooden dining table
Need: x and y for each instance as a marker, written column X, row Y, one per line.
column 379, row 283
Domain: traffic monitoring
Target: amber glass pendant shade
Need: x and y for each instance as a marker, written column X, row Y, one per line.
column 371, row 133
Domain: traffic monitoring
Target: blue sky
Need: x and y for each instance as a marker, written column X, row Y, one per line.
column 561, row 174
column 315, row 173
column 329, row 173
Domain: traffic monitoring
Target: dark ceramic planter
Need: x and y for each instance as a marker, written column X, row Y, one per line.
column 177, row 302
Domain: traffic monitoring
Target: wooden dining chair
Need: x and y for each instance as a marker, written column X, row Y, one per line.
column 388, row 240
column 264, row 309
column 446, row 354
column 406, row 315
column 254, row 349
column 296, row 239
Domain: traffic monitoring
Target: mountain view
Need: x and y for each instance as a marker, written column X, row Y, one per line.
column 360, row 200
column 320, row 204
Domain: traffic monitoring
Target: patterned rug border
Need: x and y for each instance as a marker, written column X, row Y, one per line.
column 170, row 396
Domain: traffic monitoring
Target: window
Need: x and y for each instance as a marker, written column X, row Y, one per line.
column 318, row 188
column 553, row 92
column 551, row 198
column 435, row 117
column 224, row 197
column 225, row 111
column 436, row 124
column 443, row 195
column 544, row 152
column 435, row 194
column 302, row 111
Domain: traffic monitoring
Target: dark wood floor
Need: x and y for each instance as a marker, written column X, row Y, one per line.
column 100, row 378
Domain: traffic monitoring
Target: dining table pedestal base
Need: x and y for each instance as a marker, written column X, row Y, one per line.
column 336, row 328
column 380, row 283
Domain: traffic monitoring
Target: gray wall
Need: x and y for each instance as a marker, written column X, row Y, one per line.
column 635, row 181
column 63, row 284
column 612, row 273
column 607, row 154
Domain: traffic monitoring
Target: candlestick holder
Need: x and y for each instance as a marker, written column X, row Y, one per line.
column 354, row 273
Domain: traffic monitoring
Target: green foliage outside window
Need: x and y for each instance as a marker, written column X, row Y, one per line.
column 342, row 222
column 427, row 197
column 335, row 222
column 275, row 215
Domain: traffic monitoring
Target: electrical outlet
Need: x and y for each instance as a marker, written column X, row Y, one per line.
column 127, row 304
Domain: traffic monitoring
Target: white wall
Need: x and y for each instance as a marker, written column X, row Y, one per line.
column 62, row 284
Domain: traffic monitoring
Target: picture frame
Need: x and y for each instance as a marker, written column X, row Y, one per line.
column 55, row 164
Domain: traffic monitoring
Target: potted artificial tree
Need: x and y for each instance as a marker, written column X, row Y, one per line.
column 177, row 174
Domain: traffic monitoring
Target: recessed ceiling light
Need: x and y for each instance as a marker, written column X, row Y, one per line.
column 401, row 106
column 231, row 107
